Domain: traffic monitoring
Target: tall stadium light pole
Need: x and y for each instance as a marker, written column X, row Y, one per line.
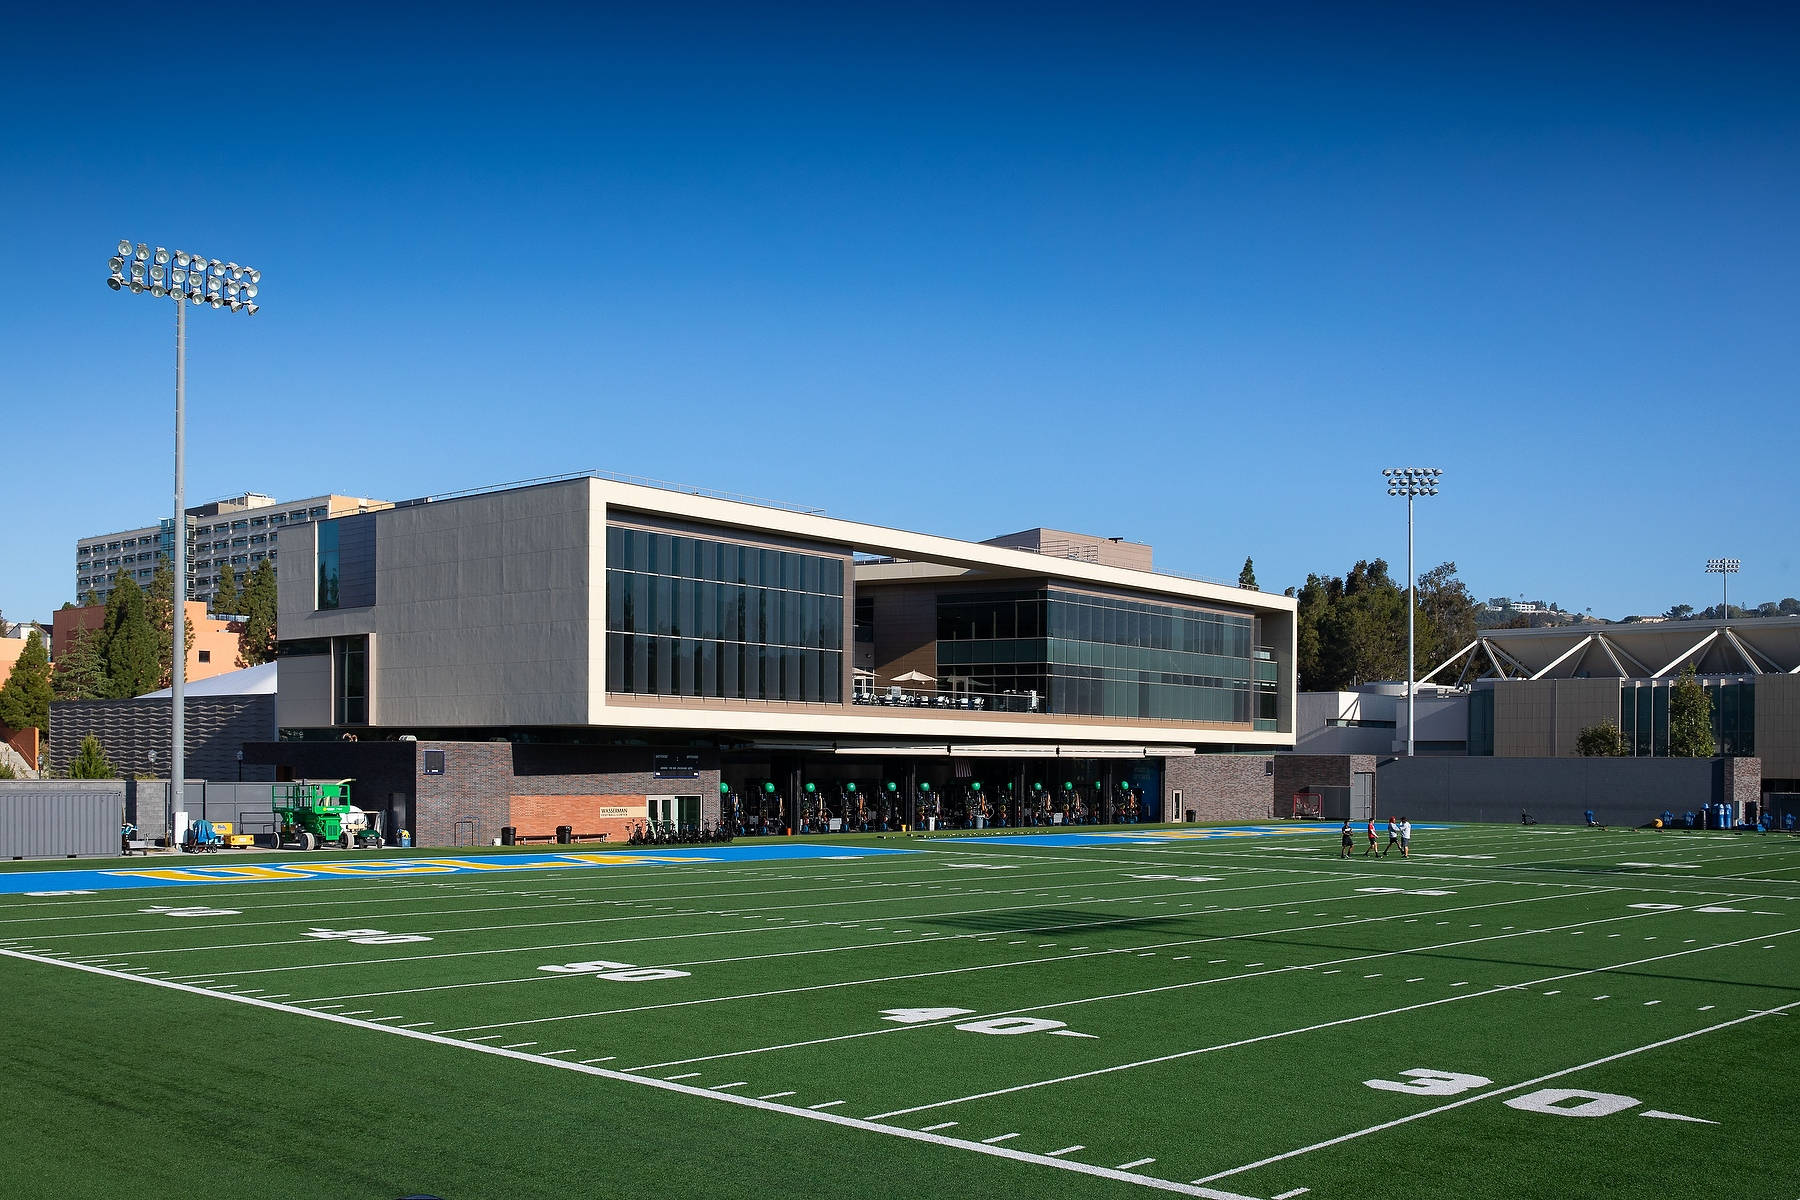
column 1411, row 482
column 183, row 275
column 1724, row 568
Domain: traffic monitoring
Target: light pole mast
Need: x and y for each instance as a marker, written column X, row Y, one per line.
column 1724, row 568
column 1411, row 482
column 198, row 280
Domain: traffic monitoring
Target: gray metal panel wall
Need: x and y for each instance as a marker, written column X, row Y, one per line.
column 60, row 820
column 248, row 806
column 130, row 731
column 1556, row 791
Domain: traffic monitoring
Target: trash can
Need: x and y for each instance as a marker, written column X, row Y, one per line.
column 406, row 839
column 508, row 835
column 1190, row 816
column 565, row 834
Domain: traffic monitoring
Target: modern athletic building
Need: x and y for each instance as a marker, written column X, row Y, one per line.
column 242, row 531
column 1528, row 693
column 583, row 653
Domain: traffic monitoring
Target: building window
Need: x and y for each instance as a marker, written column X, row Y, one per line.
column 205, row 657
column 1103, row 656
column 434, row 762
column 328, row 565
column 350, row 680
column 690, row 616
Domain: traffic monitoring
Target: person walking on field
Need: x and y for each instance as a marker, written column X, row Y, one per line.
column 1370, row 827
column 1405, row 838
column 1349, row 840
column 1393, row 835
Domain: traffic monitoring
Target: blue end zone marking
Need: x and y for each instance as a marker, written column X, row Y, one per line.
column 182, row 872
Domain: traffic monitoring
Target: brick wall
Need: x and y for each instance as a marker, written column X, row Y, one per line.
column 538, row 816
column 1220, row 787
column 1295, row 772
column 1742, row 782
column 487, row 785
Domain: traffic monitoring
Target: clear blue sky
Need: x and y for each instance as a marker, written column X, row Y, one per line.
column 1186, row 273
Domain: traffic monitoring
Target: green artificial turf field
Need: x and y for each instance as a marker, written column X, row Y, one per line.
column 1515, row 1012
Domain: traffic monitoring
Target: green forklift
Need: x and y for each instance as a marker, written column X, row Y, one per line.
column 313, row 813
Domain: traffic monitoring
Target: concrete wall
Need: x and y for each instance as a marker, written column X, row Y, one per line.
column 1557, row 791
column 482, row 613
column 249, row 807
column 1537, row 718
column 72, row 819
column 1778, row 725
column 1219, row 787
column 216, row 728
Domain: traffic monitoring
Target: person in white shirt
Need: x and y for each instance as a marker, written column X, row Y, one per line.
column 1405, row 838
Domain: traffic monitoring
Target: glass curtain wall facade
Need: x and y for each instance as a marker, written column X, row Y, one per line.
column 690, row 616
column 1644, row 716
column 1107, row 657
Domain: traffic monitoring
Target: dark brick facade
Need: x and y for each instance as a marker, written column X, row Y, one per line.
column 1742, row 782
column 1295, row 772
column 475, row 796
column 1219, row 787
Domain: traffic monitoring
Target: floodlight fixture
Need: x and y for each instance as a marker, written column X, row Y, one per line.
column 1411, row 482
column 1724, row 568
column 180, row 274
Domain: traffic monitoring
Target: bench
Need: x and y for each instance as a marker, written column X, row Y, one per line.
column 523, row 839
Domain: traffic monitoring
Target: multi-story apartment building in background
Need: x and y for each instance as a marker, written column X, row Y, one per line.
column 242, row 530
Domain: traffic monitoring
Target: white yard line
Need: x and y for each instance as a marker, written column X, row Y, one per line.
column 1285, row 1033
column 1173, row 987
column 1491, row 1094
column 1059, row 958
column 811, row 1114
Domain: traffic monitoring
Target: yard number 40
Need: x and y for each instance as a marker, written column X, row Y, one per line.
column 996, row 1026
column 618, row 972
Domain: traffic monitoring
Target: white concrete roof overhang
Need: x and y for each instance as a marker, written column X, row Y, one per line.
column 918, row 547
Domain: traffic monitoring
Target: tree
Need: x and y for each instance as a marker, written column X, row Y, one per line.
column 1247, row 576
column 1679, row 612
column 1789, row 607
column 1768, row 609
column 1601, row 741
column 91, row 761
column 1690, row 718
column 1447, row 616
column 227, row 599
column 25, row 697
column 128, row 642
column 1351, row 630
column 159, row 607
column 89, row 599
column 257, row 643
column 80, row 668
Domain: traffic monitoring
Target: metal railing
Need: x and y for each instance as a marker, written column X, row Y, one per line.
column 899, row 697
